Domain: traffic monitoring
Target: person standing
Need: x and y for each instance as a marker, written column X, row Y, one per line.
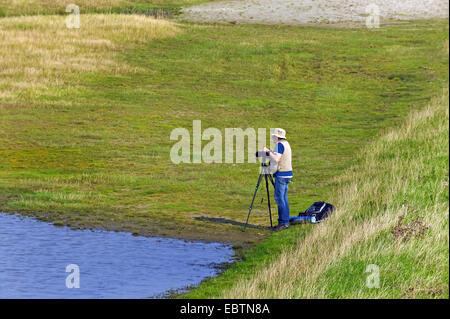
column 282, row 155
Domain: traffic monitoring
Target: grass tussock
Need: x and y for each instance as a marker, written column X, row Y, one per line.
column 392, row 212
column 40, row 52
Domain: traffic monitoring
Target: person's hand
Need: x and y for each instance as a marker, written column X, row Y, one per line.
column 266, row 149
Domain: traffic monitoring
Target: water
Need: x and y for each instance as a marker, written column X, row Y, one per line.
column 34, row 256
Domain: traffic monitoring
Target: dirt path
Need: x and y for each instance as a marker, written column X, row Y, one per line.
column 301, row 12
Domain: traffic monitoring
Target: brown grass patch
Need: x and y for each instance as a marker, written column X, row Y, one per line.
column 406, row 231
column 40, row 52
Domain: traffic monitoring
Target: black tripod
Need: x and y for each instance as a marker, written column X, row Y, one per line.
column 265, row 171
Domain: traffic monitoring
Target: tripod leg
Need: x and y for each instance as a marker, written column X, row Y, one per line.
column 253, row 200
column 268, row 199
column 271, row 180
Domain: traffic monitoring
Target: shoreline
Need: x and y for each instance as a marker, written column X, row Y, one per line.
column 236, row 238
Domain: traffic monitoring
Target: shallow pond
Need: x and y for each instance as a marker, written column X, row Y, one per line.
column 39, row 260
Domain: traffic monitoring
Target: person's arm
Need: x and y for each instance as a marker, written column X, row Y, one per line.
column 273, row 155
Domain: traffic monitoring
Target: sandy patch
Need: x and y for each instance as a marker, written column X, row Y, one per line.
column 300, row 12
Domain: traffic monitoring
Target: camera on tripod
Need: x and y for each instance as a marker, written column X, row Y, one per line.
column 262, row 154
column 266, row 174
column 265, row 160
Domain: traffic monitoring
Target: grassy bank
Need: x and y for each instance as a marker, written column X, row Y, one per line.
column 86, row 114
column 391, row 223
column 10, row 8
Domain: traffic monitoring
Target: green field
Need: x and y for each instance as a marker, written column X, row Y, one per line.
column 10, row 8
column 86, row 116
column 94, row 150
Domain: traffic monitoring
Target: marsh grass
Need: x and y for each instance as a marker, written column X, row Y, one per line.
column 49, row 7
column 91, row 148
column 403, row 174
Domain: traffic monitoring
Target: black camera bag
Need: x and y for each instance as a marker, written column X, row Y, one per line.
column 319, row 210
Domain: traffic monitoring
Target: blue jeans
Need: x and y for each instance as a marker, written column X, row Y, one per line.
column 281, row 190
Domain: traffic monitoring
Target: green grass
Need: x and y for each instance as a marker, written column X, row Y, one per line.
column 413, row 255
column 94, row 151
column 404, row 234
column 10, row 8
column 248, row 262
column 91, row 148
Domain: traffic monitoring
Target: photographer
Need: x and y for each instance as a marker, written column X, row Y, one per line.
column 283, row 157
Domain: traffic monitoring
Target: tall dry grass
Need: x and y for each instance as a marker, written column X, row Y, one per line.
column 369, row 204
column 40, row 52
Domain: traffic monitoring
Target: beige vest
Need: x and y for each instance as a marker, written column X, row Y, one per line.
column 285, row 163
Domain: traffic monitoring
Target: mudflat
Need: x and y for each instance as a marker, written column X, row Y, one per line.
column 299, row 12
